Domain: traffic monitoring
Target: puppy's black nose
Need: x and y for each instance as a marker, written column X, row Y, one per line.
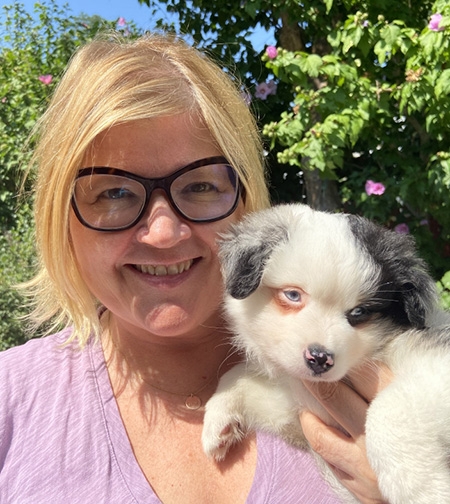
column 318, row 359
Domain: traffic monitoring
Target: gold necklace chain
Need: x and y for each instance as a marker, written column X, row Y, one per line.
column 192, row 401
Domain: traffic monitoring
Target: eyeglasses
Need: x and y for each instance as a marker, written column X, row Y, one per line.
column 109, row 199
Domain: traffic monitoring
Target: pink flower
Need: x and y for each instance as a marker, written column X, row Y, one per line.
column 121, row 21
column 272, row 87
column 434, row 22
column 264, row 89
column 247, row 97
column 402, row 228
column 271, row 51
column 376, row 188
column 46, row 79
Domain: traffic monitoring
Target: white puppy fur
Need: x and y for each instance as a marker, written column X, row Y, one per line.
column 312, row 295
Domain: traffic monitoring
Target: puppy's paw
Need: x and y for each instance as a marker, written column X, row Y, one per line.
column 217, row 439
column 224, row 423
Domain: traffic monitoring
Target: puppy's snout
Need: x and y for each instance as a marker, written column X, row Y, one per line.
column 318, row 359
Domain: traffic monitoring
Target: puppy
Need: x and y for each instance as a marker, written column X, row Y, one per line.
column 312, row 295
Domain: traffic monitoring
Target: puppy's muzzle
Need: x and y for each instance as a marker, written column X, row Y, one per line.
column 318, row 359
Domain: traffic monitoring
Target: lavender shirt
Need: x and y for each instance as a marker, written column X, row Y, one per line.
column 62, row 440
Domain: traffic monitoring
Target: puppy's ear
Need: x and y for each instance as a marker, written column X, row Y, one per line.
column 245, row 250
column 416, row 303
column 404, row 277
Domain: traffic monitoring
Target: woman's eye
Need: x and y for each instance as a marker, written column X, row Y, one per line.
column 293, row 295
column 200, row 187
column 116, row 194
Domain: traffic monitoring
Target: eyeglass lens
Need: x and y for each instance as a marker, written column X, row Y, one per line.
column 107, row 201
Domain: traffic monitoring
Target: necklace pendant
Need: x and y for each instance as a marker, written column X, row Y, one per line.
column 193, row 402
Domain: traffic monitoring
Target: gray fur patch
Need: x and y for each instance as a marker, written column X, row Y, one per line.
column 245, row 250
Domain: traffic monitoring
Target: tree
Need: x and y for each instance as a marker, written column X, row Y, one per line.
column 360, row 117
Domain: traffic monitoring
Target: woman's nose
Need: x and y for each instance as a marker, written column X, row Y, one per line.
column 161, row 226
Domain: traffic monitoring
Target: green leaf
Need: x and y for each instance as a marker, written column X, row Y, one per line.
column 391, row 34
column 430, row 41
column 328, row 5
column 251, row 8
column 312, row 65
column 381, row 49
column 443, row 84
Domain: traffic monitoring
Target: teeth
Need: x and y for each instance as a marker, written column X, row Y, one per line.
column 160, row 270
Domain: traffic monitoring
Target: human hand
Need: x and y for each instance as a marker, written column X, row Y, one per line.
column 346, row 455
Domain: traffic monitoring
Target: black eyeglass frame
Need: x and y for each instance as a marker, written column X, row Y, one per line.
column 150, row 184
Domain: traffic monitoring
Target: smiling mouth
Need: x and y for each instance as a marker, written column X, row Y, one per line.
column 161, row 270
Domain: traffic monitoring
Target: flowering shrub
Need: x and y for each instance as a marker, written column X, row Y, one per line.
column 34, row 50
column 375, row 107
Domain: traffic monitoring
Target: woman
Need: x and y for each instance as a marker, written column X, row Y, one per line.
column 146, row 154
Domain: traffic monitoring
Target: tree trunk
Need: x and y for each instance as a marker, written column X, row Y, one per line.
column 320, row 194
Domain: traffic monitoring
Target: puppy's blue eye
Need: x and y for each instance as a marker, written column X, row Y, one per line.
column 290, row 299
column 359, row 311
column 293, row 295
column 358, row 315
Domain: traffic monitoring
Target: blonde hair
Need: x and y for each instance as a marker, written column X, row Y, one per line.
column 111, row 81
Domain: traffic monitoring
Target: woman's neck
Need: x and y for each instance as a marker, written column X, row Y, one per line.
column 179, row 370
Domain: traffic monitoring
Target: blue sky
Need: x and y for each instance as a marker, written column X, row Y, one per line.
column 131, row 10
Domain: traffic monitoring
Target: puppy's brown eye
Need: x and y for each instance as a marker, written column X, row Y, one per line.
column 293, row 295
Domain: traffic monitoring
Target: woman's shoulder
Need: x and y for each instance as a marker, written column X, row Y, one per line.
column 34, row 350
column 45, row 376
column 39, row 361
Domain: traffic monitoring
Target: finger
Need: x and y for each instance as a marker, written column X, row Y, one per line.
column 364, row 488
column 370, row 379
column 344, row 456
column 347, row 407
column 327, row 441
column 333, row 446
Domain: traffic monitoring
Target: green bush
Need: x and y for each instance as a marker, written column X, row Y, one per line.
column 16, row 266
column 34, row 51
column 444, row 290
